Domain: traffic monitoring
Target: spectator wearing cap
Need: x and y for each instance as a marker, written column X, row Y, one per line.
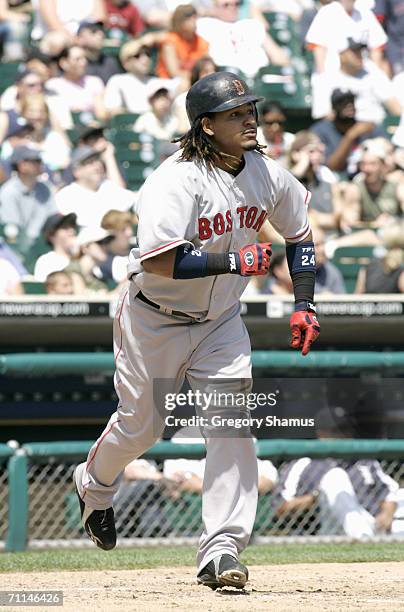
column 342, row 134
column 83, row 92
column 59, row 283
column 123, row 17
column 25, row 200
column 94, row 136
column 128, row 93
column 372, row 200
column 17, row 135
column 242, row 44
column 13, row 32
column 331, row 26
column 371, row 86
column 85, row 269
column 91, row 38
column 60, row 232
column 160, row 122
column 91, row 194
column 63, row 17
column 181, row 47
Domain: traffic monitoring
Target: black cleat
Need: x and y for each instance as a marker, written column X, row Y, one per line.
column 99, row 525
column 223, row 571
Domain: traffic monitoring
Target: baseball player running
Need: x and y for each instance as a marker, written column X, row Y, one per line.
column 199, row 215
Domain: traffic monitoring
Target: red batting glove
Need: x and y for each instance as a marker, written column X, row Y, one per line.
column 254, row 259
column 305, row 330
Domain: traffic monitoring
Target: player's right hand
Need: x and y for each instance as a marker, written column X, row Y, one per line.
column 255, row 258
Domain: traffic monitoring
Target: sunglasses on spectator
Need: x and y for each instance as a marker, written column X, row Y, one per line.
column 281, row 122
column 138, row 55
column 33, row 83
column 229, row 4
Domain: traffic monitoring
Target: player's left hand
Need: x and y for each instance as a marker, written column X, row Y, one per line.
column 305, row 330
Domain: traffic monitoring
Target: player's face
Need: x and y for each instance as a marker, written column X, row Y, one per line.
column 234, row 131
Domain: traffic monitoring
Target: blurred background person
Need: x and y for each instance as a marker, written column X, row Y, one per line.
column 202, row 67
column 159, row 122
column 91, row 38
column 123, row 18
column 60, row 233
column 342, row 133
column 85, row 269
column 181, row 47
column 10, row 280
column 59, row 283
column 333, row 23
column 306, row 162
column 128, row 92
column 329, row 280
column 119, row 226
column 63, row 17
column 372, row 200
column 92, row 193
column 271, row 131
column 14, row 27
column 241, row 44
column 385, row 274
column 83, row 92
column 25, row 200
column 46, row 136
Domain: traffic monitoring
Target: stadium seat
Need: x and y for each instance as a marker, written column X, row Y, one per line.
column 349, row 260
column 284, row 85
column 32, row 287
column 390, row 124
column 8, row 74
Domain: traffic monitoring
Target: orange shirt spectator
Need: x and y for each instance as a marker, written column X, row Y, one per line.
column 181, row 47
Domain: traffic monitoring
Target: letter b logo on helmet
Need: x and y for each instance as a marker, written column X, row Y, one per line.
column 217, row 92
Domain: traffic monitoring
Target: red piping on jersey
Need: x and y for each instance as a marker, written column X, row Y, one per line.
column 120, row 328
column 95, row 452
column 162, row 247
column 301, row 234
column 307, row 195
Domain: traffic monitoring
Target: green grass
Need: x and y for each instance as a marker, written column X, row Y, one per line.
column 138, row 558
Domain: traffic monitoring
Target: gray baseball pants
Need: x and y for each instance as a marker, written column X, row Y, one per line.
column 150, row 345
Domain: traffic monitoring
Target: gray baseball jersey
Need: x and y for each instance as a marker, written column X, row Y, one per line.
column 183, row 202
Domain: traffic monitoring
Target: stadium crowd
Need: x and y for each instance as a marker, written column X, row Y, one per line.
column 93, row 94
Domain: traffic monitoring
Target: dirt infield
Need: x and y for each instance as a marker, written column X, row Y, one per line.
column 327, row 587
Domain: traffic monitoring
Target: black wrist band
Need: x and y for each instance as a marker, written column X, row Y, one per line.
column 222, row 263
column 303, row 286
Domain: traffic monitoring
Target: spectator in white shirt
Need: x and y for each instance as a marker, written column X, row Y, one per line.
column 160, row 122
column 91, row 194
column 64, row 16
column 372, row 88
column 84, row 93
column 128, row 93
column 241, row 44
column 332, row 25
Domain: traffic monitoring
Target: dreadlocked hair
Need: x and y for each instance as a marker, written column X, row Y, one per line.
column 196, row 145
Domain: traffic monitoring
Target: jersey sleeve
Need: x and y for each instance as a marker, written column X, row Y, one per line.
column 290, row 217
column 166, row 209
column 377, row 36
column 318, row 32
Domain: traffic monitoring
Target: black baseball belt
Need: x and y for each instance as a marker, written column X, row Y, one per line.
column 168, row 311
